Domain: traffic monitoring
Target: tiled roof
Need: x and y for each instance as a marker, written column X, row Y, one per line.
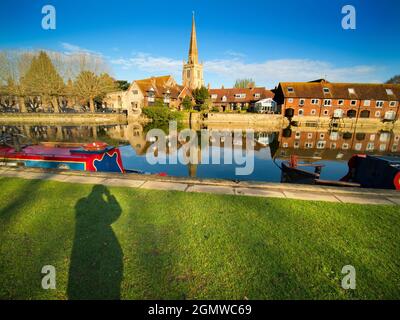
column 356, row 91
column 230, row 93
column 160, row 85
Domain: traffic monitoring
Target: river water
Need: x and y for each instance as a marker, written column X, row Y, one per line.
column 333, row 149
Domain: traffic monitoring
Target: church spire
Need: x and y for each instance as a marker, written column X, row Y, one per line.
column 193, row 52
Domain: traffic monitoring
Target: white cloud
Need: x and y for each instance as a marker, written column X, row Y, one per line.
column 268, row 73
column 72, row 49
column 148, row 63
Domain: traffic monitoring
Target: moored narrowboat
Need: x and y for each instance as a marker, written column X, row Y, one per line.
column 95, row 157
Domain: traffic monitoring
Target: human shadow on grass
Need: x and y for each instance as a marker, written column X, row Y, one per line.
column 96, row 266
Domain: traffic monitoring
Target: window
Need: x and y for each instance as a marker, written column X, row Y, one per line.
column 240, row 95
column 326, row 90
column 353, row 102
column 313, row 112
column 333, row 145
column 384, row 137
column 345, row 146
column 352, row 91
column 389, row 92
column 290, row 100
column 298, row 135
column 322, row 136
column 326, row 112
column 224, row 99
column 372, row 137
column 314, row 101
column 358, row 146
column 341, row 102
column 309, row 135
column 327, row 102
column 378, row 114
column 321, row 144
column 364, row 114
column 301, row 112
column 351, row 113
column 392, row 103
column 308, row 145
column 367, row 103
column 302, row 102
column 379, row 104
column 188, row 73
column 290, row 89
column 382, row 147
column 135, row 92
column 297, row 144
column 257, row 95
column 370, row 147
column 394, row 148
column 285, row 145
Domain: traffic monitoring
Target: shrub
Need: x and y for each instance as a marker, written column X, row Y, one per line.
column 161, row 114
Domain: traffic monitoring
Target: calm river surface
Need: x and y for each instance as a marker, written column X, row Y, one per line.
column 313, row 145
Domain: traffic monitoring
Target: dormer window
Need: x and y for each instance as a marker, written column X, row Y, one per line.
column 257, row 95
column 240, row 95
column 352, row 91
column 150, row 95
column 214, row 96
column 326, row 90
column 167, row 96
column 290, row 89
column 224, row 98
column 389, row 92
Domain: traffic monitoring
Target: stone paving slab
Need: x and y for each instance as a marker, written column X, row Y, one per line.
column 313, row 196
column 123, row 183
column 363, row 200
column 394, row 200
column 168, row 186
column 211, row 189
column 252, row 192
column 86, row 180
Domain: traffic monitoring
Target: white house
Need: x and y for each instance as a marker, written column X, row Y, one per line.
column 267, row 105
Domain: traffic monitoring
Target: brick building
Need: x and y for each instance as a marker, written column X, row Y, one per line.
column 238, row 99
column 336, row 145
column 321, row 98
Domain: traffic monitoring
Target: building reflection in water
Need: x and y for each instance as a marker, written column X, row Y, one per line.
column 310, row 144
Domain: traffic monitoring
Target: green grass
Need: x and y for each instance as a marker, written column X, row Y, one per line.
column 142, row 244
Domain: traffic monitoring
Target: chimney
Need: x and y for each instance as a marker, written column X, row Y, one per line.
column 222, row 87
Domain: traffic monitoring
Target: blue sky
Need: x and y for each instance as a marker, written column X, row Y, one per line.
column 270, row 41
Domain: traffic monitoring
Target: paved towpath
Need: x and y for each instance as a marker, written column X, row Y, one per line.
column 254, row 189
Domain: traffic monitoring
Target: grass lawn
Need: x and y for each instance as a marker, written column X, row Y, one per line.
column 141, row 244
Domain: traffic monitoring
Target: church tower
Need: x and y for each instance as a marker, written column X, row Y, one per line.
column 192, row 70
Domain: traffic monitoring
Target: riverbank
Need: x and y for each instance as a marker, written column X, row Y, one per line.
column 212, row 186
column 196, row 120
column 63, row 118
column 118, row 242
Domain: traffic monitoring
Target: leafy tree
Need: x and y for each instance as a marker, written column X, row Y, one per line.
column 244, row 83
column 122, row 85
column 159, row 103
column 394, row 80
column 201, row 95
column 187, row 103
column 42, row 79
column 90, row 86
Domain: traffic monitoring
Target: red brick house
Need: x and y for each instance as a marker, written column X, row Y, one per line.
column 321, row 98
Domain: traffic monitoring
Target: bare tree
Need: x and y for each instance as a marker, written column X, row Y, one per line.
column 90, row 86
